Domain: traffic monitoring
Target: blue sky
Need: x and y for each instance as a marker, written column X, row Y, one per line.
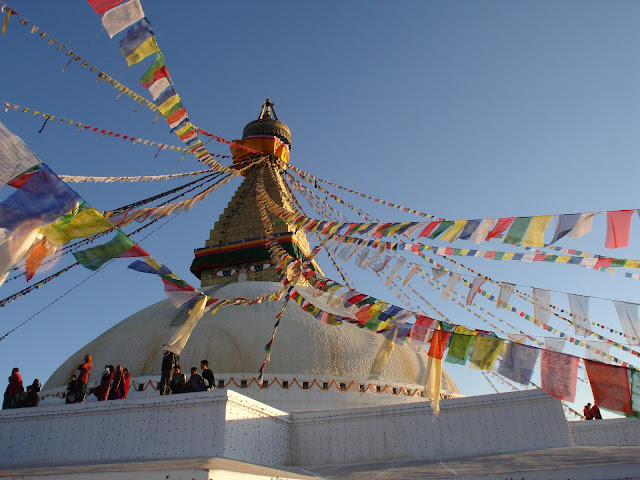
column 462, row 109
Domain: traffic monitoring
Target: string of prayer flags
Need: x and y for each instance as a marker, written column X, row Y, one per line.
column 120, row 246
column 618, row 227
column 610, row 386
column 579, row 306
column 485, row 352
column 518, row 362
column 628, row 316
column 559, row 372
column 541, row 306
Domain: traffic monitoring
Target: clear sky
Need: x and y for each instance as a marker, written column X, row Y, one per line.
column 462, row 109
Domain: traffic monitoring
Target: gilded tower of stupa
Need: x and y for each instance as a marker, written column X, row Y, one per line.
column 236, row 249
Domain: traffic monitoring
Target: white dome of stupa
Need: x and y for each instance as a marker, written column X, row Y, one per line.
column 233, row 341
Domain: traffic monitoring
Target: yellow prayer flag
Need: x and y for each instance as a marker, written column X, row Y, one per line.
column 148, row 47
column 508, row 255
column 168, row 104
column 454, row 232
column 535, row 232
column 79, row 224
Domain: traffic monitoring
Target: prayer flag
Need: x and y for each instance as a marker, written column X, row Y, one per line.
column 559, row 374
column 468, row 229
column 157, row 71
column 438, row 343
column 473, row 289
column 179, row 339
column 167, row 106
column 101, row 6
column 382, row 357
column 454, row 279
column 480, row 234
column 582, row 226
column 95, row 257
column 420, row 328
column 15, row 157
column 500, row 227
column 554, row 344
column 597, row 351
column 394, row 271
column 142, row 51
column 518, row 229
column 454, row 232
column 541, row 306
column 580, row 313
column 610, row 386
column 564, row 226
column 460, row 344
column 618, row 225
column 165, row 96
column 485, row 352
column 429, row 228
column 14, row 247
column 506, row 289
column 442, row 227
column 159, row 86
column 628, row 315
column 438, row 273
column 122, row 16
column 36, row 256
column 411, row 273
column 535, row 233
column 634, row 381
column 518, row 363
column 79, row 223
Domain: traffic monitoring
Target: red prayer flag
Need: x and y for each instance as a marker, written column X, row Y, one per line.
column 429, row 228
column 101, row 6
column 134, row 251
column 559, row 374
column 420, row 328
column 618, row 225
column 501, row 226
column 610, row 386
column 438, row 343
column 157, row 75
column 35, row 259
column 176, row 116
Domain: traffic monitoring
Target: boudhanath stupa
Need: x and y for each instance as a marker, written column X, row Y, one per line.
column 319, row 410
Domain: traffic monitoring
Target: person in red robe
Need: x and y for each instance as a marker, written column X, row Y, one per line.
column 117, row 386
column 14, row 388
column 83, row 379
column 126, row 381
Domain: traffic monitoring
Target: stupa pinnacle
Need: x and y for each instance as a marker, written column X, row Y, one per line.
column 236, row 247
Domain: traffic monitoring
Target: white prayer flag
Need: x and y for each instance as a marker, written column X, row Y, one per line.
column 628, row 315
column 122, row 16
column 159, row 86
column 506, row 289
column 480, row 233
column 454, row 279
column 582, row 226
column 473, row 289
column 541, row 305
column 554, row 344
column 580, row 314
column 15, row 157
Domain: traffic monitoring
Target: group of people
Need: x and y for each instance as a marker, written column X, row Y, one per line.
column 591, row 412
column 114, row 383
column 15, row 395
column 173, row 380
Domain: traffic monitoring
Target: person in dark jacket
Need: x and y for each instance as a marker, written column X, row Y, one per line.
column 178, row 381
column 207, row 375
column 588, row 415
column 595, row 411
column 195, row 383
column 72, row 389
column 169, row 362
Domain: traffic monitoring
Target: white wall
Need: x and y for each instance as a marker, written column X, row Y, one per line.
column 228, row 424
column 613, row 431
column 508, row 422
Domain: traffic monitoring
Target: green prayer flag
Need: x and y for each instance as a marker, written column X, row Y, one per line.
column 517, row 230
column 459, row 347
column 443, row 227
column 93, row 258
column 148, row 75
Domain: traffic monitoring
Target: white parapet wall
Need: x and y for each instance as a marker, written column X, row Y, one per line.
column 226, row 424
column 610, row 432
column 196, row 425
column 508, row 422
